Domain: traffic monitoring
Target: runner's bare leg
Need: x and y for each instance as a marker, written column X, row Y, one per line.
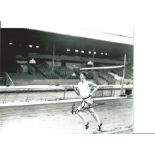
column 81, row 115
column 95, row 116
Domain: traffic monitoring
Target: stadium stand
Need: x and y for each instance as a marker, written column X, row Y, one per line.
column 65, row 72
column 128, row 72
column 31, row 54
column 46, row 71
column 41, row 72
column 107, row 77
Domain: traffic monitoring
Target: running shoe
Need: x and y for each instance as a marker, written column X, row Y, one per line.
column 87, row 126
column 73, row 109
column 99, row 127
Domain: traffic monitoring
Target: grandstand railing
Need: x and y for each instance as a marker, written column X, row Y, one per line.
column 5, row 79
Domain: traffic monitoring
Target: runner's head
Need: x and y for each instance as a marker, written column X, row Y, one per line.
column 83, row 76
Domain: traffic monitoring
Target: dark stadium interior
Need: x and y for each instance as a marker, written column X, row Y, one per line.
column 21, row 44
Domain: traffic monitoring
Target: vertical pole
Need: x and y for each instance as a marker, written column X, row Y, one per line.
column 93, row 56
column 53, row 57
column 122, row 81
column 95, row 75
column 0, row 49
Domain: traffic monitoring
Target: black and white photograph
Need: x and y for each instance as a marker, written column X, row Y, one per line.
column 58, row 83
column 76, row 77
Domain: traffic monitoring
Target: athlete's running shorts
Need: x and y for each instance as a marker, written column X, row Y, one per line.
column 86, row 104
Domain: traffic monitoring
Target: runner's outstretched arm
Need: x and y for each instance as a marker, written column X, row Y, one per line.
column 95, row 88
column 76, row 90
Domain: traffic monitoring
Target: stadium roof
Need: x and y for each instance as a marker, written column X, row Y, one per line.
column 44, row 40
column 116, row 36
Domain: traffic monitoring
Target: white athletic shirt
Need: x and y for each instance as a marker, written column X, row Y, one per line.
column 85, row 88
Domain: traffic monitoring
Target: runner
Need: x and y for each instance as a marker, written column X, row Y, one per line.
column 85, row 89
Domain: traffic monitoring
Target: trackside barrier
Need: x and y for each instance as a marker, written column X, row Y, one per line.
column 106, row 90
column 14, row 94
column 64, row 101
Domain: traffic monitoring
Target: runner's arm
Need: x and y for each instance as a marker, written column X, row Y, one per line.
column 94, row 86
column 76, row 90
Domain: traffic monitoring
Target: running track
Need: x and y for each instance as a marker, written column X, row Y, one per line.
column 116, row 115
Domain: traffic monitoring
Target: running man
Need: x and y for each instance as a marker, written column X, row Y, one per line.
column 85, row 89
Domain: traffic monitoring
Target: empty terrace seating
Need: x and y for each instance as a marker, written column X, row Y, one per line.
column 90, row 75
column 46, row 71
column 65, row 73
column 25, row 76
column 128, row 72
column 109, row 78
